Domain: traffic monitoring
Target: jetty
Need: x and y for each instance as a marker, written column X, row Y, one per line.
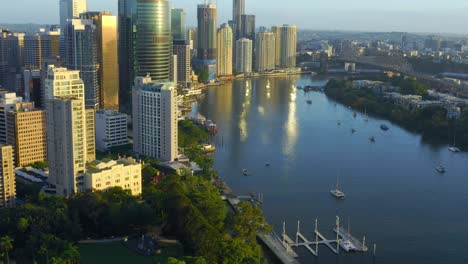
column 344, row 240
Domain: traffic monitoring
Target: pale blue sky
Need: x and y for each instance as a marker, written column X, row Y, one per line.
column 363, row 15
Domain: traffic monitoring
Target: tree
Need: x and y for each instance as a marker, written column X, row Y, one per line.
column 172, row 260
column 248, row 221
column 238, row 251
column 203, row 76
column 6, row 245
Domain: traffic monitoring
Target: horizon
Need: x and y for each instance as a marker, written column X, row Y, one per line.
column 360, row 16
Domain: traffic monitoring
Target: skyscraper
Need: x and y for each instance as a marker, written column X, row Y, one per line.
column 248, row 27
column 70, row 129
column 178, row 23
column 127, row 15
column 70, row 9
column 265, row 51
column 107, row 58
column 153, row 43
column 244, row 56
column 207, row 17
column 184, row 68
column 39, row 47
column 7, row 178
column 155, row 119
column 238, row 9
column 225, row 49
column 11, row 58
column 277, row 31
column 81, row 53
column 288, row 46
column 207, row 27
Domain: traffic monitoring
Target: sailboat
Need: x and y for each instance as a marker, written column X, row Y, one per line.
column 453, row 148
column 366, row 118
column 337, row 193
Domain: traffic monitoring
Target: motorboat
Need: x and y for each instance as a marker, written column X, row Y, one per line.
column 245, row 172
column 384, row 127
column 440, row 169
column 309, row 101
column 353, row 130
column 347, row 246
column 372, row 139
column 454, row 149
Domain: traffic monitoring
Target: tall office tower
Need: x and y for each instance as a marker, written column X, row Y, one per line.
column 184, row 68
column 11, row 59
column 244, row 56
column 7, row 178
column 288, row 46
column 127, row 13
column 155, row 119
column 277, row 31
column 265, row 51
column 178, row 23
column 70, row 9
column 33, row 87
column 7, row 103
column 207, row 15
column 81, row 53
column 26, row 133
column 238, row 10
column 193, row 38
column 40, row 46
column 70, row 129
column 107, row 58
column 248, row 27
column 225, row 46
column 153, row 44
column 207, row 27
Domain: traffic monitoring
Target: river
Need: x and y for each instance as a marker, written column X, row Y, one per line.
column 394, row 195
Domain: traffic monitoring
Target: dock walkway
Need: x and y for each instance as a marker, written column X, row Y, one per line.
column 274, row 244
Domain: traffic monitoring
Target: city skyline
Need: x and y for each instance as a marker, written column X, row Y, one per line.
column 362, row 15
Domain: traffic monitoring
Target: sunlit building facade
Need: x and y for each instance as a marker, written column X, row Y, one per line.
column 265, row 51
column 153, row 43
column 225, row 50
column 244, row 56
column 7, row 178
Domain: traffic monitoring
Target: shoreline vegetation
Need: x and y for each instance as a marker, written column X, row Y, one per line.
column 189, row 208
column 431, row 122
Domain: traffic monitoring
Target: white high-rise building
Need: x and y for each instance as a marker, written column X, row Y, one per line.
column 244, row 56
column 265, row 51
column 70, row 130
column 7, row 103
column 225, row 46
column 70, row 9
column 155, row 119
column 111, row 129
column 288, row 46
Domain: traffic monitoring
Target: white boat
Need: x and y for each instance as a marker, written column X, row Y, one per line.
column 440, row 169
column 337, row 193
column 245, row 172
column 347, row 246
column 454, row 149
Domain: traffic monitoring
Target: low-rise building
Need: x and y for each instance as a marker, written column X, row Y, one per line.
column 111, row 129
column 104, row 174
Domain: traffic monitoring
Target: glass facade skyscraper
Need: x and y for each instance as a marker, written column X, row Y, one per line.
column 153, row 39
column 178, row 23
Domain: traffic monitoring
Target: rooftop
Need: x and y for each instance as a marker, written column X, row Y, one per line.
column 106, row 164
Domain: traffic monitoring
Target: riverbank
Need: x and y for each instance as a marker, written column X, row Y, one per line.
column 431, row 122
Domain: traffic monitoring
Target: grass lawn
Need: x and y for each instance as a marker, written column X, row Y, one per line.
column 115, row 253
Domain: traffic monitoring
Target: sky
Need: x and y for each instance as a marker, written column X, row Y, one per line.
column 448, row 16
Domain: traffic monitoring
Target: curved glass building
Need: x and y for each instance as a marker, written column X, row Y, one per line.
column 153, row 39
